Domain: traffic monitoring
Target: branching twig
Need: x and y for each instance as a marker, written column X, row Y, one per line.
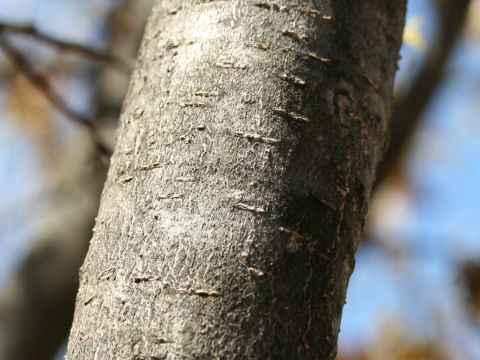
column 408, row 108
column 121, row 64
column 43, row 85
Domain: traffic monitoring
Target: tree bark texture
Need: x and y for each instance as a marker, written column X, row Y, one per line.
column 239, row 184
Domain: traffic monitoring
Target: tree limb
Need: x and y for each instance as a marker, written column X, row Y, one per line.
column 253, row 259
column 37, row 302
column 121, row 64
column 44, row 86
column 408, row 109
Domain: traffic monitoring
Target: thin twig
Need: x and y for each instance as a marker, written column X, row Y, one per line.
column 43, row 85
column 121, row 64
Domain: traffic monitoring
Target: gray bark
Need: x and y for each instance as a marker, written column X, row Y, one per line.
column 239, row 184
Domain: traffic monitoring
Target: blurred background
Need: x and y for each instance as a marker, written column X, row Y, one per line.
column 64, row 69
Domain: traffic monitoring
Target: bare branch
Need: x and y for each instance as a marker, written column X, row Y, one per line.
column 44, row 86
column 121, row 64
column 36, row 301
column 408, row 109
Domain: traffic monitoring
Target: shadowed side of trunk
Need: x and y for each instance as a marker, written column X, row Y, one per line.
column 239, row 184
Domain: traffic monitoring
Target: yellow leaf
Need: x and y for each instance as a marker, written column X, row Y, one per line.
column 412, row 34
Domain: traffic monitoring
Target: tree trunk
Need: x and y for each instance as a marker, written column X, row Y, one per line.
column 239, row 184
